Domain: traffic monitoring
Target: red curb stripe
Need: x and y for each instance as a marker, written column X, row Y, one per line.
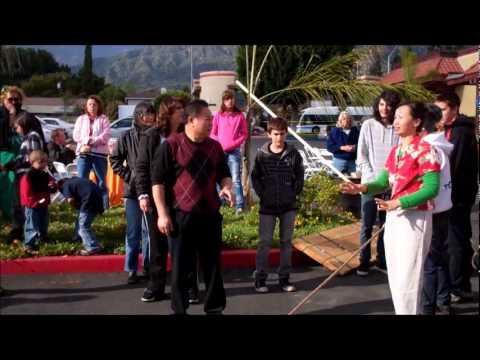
column 115, row 263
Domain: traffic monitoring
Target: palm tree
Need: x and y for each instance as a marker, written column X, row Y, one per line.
column 334, row 79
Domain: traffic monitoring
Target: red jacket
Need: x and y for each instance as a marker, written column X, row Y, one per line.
column 31, row 199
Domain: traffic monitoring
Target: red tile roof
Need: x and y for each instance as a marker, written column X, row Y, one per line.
column 441, row 65
column 471, row 74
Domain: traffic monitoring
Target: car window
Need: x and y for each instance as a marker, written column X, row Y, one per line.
column 51, row 122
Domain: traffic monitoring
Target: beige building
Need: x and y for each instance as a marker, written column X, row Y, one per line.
column 213, row 84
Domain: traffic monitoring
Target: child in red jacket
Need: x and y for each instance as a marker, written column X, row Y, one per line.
column 35, row 189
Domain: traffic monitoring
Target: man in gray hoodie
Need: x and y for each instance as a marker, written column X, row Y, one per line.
column 375, row 141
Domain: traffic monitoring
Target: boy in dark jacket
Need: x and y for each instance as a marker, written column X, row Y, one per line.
column 35, row 189
column 460, row 131
column 277, row 178
column 85, row 196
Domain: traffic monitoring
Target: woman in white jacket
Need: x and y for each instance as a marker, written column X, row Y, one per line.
column 436, row 286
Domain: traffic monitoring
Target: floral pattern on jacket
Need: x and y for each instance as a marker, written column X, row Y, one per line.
column 406, row 170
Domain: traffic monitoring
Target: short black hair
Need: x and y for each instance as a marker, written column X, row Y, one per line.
column 449, row 97
column 142, row 109
column 194, row 108
column 392, row 98
column 432, row 117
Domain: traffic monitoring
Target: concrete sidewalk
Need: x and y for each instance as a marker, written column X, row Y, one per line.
column 108, row 293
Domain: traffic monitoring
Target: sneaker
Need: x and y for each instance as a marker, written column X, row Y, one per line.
column 287, row 286
column 85, row 252
column 150, row 295
column 363, row 270
column 193, row 297
column 461, row 296
column 261, row 286
column 238, row 211
column 132, row 278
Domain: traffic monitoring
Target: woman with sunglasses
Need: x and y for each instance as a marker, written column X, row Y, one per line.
column 11, row 98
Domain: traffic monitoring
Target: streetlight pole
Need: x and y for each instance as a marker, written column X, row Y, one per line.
column 191, row 69
column 389, row 56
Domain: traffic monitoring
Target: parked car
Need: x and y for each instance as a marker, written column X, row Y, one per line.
column 119, row 126
column 320, row 120
column 49, row 124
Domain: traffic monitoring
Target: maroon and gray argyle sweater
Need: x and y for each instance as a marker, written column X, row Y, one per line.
column 190, row 171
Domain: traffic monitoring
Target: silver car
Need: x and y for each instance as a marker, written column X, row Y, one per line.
column 118, row 127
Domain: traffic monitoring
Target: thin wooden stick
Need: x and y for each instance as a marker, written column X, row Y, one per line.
column 332, row 275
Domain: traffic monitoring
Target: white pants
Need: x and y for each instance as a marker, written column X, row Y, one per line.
column 407, row 238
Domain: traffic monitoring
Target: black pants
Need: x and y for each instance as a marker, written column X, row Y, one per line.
column 436, row 283
column 158, row 255
column 196, row 234
column 460, row 248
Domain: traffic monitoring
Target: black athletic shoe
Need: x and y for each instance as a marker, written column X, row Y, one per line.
column 363, row 270
column 150, row 296
column 261, row 286
column 193, row 297
column 287, row 286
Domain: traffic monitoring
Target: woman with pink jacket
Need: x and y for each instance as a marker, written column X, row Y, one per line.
column 229, row 128
column 91, row 133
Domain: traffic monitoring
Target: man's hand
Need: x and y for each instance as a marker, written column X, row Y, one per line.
column 164, row 224
column 387, row 205
column 227, row 194
column 144, row 204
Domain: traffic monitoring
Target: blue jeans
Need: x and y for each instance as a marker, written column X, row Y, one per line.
column 436, row 282
column 85, row 164
column 136, row 231
column 83, row 229
column 36, row 225
column 234, row 161
column 369, row 216
column 345, row 166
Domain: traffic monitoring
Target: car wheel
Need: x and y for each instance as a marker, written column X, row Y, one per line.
column 315, row 130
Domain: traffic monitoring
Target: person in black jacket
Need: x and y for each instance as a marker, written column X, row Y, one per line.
column 170, row 119
column 277, row 178
column 123, row 159
column 460, row 131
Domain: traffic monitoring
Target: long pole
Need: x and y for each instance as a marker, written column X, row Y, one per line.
column 332, row 275
column 294, row 134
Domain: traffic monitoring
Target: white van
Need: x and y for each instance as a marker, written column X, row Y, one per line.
column 319, row 120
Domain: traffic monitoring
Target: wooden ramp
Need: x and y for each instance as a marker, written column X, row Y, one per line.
column 331, row 248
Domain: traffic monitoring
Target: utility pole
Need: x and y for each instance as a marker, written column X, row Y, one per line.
column 191, row 69
column 395, row 48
